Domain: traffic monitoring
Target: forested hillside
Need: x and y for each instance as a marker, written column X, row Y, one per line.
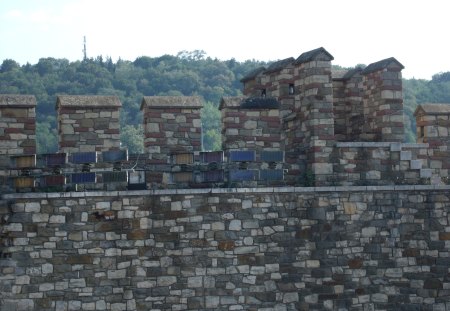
column 188, row 73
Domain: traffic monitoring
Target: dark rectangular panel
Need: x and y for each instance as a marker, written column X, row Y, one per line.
column 180, row 177
column 115, row 155
column 211, row 157
column 242, row 155
column 82, row 178
column 272, row 156
column 55, row 159
column 142, row 186
column 271, row 175
column 54, row 180
column 212, row 176
column 83, row 157
column 242, row 175
column 111, row 177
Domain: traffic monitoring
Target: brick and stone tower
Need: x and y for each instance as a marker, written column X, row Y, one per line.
column 433, row 123
column 88, row 123
column 251, row 123
column 278, row 82
column 348, row 105
column 252, row 82
column 17, row 132
column 17, row 125
column 383, row 101
column 172, row 124
column 310, row 130
column 433, row 127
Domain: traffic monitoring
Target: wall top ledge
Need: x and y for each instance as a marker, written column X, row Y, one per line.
column 85, row 101
column 364, row 144
column 167, row 102
column 17, row 101
column 87, row 194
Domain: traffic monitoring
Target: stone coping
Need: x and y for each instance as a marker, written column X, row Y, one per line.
column 165, row 102
column 19, row 101
column 84, row 194
column 433, row 109
column 364, row 144
column 231, row 102
column 83, row 101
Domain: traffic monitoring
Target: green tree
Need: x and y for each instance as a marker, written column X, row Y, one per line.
column 132, row 137
column 46, row 139
column 211, row 127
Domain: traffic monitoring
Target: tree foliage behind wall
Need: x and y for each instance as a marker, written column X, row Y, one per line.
column 188, row 73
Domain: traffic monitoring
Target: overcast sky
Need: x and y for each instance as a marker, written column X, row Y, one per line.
column 415, row 32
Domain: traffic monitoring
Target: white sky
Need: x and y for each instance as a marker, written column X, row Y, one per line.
column 415, row 32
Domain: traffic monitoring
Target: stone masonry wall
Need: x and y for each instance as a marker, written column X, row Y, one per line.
column 354, row 104
column 17, row 131
column 433, row 124
column 383, row 101
column 172, row 125
column 333, row 248
column 314, row 104
column 279, row 83
column 348, row 106
column 17, row 124
column 252, row 129
column 88, row 123
column 340, row 110
column 384, row 163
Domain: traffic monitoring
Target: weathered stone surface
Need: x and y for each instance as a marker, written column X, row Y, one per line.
column 226, row 245
column 290, row 249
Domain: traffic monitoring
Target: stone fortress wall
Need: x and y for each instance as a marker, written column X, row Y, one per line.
column 315, row 204
column 305, row 124
column 281, row 248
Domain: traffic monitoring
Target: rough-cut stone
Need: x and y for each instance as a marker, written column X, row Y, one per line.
column 289, row 240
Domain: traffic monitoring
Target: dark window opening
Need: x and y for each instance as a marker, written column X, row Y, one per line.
column 291, row 89
column 421, row 132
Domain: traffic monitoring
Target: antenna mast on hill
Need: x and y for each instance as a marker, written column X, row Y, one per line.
column 84, row 49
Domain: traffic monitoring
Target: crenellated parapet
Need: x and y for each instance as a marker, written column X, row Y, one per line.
column 383, row 101
column 17, row 124
column 251, row 123
column 172, row 124
column 300, row 122
column 88, row 123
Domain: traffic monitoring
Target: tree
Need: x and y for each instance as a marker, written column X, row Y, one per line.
column 132, row 137
column 211, row 127
column 9, row 65
column 46, row 141
column 188, row 73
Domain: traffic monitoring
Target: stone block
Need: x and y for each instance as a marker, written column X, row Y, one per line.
column 246, row 250
column 322, row 168
column 195, row 282
column 166, row 280
column 368, row 232
column 117, row 274
column 77, row 283
column 405, row 155
column 373, row 175
column 57, row 219
column 235, row 225
column 350, row 208
column 212, row 301
column 40, row 217
column 416, row 164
